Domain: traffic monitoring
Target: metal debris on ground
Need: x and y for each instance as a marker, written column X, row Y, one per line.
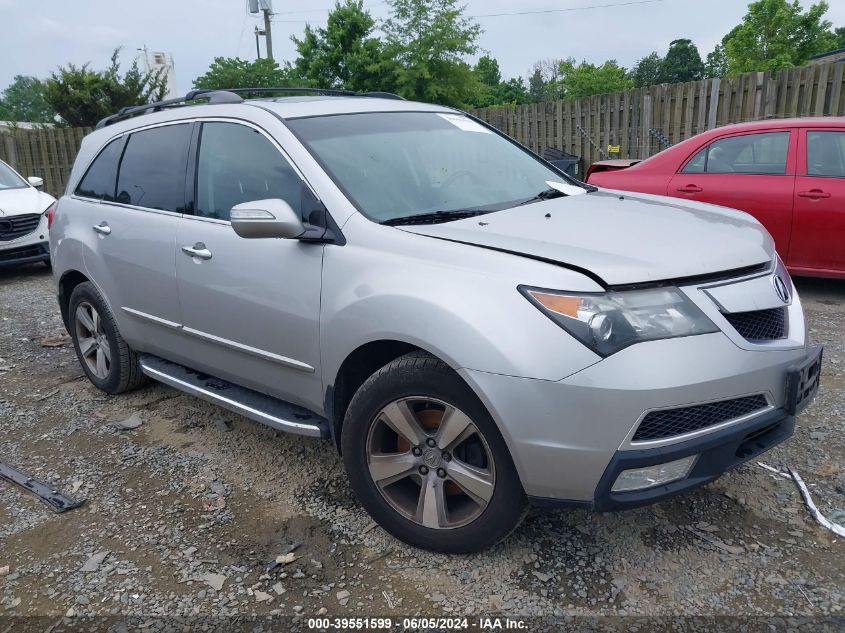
column 58, row 501
column 808, row 500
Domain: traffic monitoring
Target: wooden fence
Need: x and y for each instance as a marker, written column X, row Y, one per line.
column 48, row 153
column 643, row 121
column 637, row 122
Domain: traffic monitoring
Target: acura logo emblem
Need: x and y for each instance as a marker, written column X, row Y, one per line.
column 780, row 288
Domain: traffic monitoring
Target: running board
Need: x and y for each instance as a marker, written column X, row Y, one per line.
column 275, row 413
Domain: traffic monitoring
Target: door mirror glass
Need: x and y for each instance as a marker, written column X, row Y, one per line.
column 272, row 217
column 36, row 182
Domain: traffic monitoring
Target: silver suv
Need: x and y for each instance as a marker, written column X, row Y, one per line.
column 472, row 328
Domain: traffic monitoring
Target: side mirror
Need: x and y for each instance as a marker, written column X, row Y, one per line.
column 36, row 182
column 266, row 218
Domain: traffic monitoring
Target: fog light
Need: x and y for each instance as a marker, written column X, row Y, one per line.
column 659, row 474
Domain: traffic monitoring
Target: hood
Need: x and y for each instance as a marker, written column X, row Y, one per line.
column 23, row 200
column 620, row 237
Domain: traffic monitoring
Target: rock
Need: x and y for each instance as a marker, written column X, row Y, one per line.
column 70, row 613
column 223, row 425
column 279, row 588
column 619, row 582
column 82, row 600
column 343, row 595
column 215, row 581
column 4, row 571
column 261, row 596
column 541, row 576
column 284, row 559
column 132, row 422
column 298, row 608
column 212, row 505
column 94, row 561
column 59, row 340
column 322, row 611
column 438, row 597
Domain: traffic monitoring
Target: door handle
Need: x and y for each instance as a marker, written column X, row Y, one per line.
column 197, row 250
column 690, row 189
column 814, row 194
column 102, row 228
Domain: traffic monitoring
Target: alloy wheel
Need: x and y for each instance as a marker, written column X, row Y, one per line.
column 430, row 462
column 93, row 343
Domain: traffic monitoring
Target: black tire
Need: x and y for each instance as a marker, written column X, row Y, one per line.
column 420, row 374
column 124, row 373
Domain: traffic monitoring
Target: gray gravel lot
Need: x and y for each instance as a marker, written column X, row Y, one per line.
column 185, row 512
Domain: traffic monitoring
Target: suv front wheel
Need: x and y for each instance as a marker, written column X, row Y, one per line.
column 427, row 461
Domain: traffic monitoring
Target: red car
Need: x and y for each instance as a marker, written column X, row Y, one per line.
column 789, row 174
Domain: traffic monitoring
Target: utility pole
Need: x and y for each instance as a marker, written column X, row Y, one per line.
column 265, row 7
column 268, row 33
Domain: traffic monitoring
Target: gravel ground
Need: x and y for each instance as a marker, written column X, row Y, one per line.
column 185, row 513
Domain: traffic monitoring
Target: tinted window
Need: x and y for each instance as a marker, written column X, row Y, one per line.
column 696, row 165
column 99, row 180
column 826, row 154
column 238, row 164
column 748, row 154
column 152, row 171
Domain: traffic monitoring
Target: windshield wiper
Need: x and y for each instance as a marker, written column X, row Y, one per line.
column 546, row 194
column 435, row 217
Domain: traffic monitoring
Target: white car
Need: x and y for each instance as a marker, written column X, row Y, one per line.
column 23, row 218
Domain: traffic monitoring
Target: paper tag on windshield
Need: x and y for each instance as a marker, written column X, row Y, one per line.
column 569, row 190
column 465, row 123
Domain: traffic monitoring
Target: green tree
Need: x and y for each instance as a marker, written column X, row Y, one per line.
column 682, row 62
column 513, row 92
column 587, row 79
column 837, row 41
column 429, row 39
column 648, row 71
column 776, row 34
column 717, row 63
column 81, row 96
column 537, row 87
column 25, row 100
column 344, row 54
column 233, row 72
column 487, row 71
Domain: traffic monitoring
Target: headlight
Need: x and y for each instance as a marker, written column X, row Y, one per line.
column 609, row 322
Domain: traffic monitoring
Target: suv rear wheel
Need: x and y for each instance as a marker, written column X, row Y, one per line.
column 427, row 461
column 109, row 363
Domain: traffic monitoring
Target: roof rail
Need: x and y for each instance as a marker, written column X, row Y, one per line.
column 230, row 95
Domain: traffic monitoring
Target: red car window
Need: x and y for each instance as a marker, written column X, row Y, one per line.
column 826, row 154
column 762, row 153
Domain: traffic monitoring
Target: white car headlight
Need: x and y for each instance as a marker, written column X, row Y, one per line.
column 609, row 322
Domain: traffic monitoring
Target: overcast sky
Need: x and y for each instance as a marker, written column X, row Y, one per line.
column 36, row 36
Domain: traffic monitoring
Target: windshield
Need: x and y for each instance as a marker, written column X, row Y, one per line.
column 9, row 179
column 400, row 164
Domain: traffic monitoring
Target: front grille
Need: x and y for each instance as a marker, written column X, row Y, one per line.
column 759, row 325
column 659, row 425
column 17, row 226
column 22, row 252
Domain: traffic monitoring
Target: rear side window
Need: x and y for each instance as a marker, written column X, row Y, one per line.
column 763, row 153
column 239, row 164
column 826, row 154
column 152, row 171
column 99, row 181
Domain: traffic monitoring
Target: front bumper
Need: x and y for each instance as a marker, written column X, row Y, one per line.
column 570, row 439
column 25, row 254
